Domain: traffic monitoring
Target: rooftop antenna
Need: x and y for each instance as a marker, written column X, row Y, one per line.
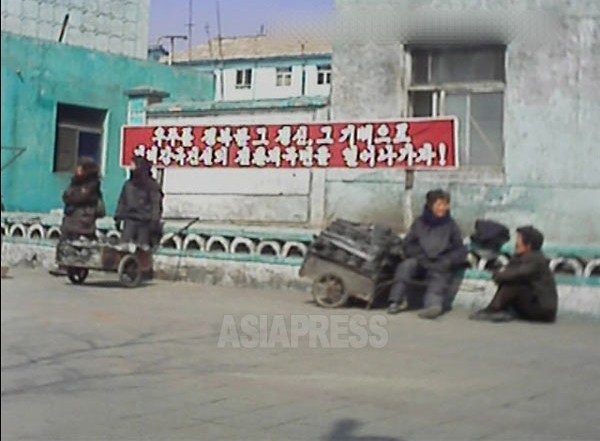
column 303, row 83
column 171, row 39
column 207, row 30
column 63, row 28
column 220, row 43
column 219, row 35
column 190, row 25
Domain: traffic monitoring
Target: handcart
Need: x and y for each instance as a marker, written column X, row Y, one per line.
column 351, row 260
column 78, row 257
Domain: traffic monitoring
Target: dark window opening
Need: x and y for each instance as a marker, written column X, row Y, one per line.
column 458, row 65
column 243, row 79
column 467, row 83
column 324, row 74
column 79, row 132
column 283, row 76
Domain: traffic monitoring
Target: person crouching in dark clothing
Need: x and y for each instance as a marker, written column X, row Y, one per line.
column 83, row 202
column 433, row 249
column 140, row 206
column 526, row 286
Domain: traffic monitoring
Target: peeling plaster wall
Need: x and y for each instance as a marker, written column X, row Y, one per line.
column 36, row 76
column 551, row 112
column 114, row 26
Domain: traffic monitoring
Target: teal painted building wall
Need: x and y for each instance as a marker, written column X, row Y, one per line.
column 36, row 76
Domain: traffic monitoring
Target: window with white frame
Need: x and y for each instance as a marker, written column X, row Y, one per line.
column 79, row 132
column 469, row 84
column 243, row 78
column 283, row 76
column 324, row 74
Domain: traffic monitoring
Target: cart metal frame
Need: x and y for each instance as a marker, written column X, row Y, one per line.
column 78, row 257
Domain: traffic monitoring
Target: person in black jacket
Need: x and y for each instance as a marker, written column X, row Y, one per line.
column 83, row 202
column 526, row 286
column 433, row 249
column 140, row 206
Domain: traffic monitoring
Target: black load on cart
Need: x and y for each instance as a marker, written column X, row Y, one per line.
column 351, row 260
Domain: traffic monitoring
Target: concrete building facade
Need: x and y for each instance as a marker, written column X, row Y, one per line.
column 258, row 80
column 61, row 102
column 526, row 118
column 112, row 26
column 264, row 67
column 524, row 90
column 522, row 77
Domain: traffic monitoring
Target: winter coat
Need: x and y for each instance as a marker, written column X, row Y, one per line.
column 140, row 202
column 83, row 205
column 436, row 243
column 531, row 269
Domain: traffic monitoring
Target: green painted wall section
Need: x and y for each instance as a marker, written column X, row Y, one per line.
column 309, row 60
column 36, row 75
column 567, row 216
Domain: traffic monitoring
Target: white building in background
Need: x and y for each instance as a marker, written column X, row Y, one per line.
column 262, row 67
column 257, row 80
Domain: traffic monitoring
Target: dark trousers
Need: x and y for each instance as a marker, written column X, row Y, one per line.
column 137, row 232
column 437, row 283
column 521, row 298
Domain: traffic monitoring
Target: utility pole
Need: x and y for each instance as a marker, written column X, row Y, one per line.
column 172, row 39
column 190, row 25
column 303, row 79
column 220, row 47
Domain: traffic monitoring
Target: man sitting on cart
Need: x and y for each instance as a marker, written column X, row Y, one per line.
column 140, row 207
column 434, row 250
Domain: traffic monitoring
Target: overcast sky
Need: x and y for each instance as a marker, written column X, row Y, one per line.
column 238, row 17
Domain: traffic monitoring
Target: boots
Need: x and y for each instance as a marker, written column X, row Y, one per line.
column 488, row 315
column 432, row 312
column 396, row 307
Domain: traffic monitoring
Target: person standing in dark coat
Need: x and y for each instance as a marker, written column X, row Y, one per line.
column 140, row 206
column 526, row 286
column 83, row 202
column 434, row 250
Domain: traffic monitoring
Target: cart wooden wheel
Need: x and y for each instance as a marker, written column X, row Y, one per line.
column 329, row 291
column 77, row 275
column 130, row 271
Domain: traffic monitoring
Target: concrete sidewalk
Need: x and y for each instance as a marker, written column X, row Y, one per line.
column 97, row 362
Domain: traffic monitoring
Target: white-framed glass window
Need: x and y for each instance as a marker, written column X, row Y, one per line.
column 243, row 78
column 469, row 84
column 324, row 74
column 79, row 133
column 283, row 76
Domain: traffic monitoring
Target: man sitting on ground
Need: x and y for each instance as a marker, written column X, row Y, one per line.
column 526, row 286
column 434, row 249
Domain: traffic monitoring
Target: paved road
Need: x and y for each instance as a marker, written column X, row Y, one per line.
column 102, row 363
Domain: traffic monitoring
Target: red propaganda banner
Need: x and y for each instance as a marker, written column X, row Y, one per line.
column 420, row 143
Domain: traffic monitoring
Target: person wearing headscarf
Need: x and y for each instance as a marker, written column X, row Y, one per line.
column 140, row 206
column 433, row 250
column 526, row 286
column 83, row 202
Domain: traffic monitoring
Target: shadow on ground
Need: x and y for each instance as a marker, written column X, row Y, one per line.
column 345, row 430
